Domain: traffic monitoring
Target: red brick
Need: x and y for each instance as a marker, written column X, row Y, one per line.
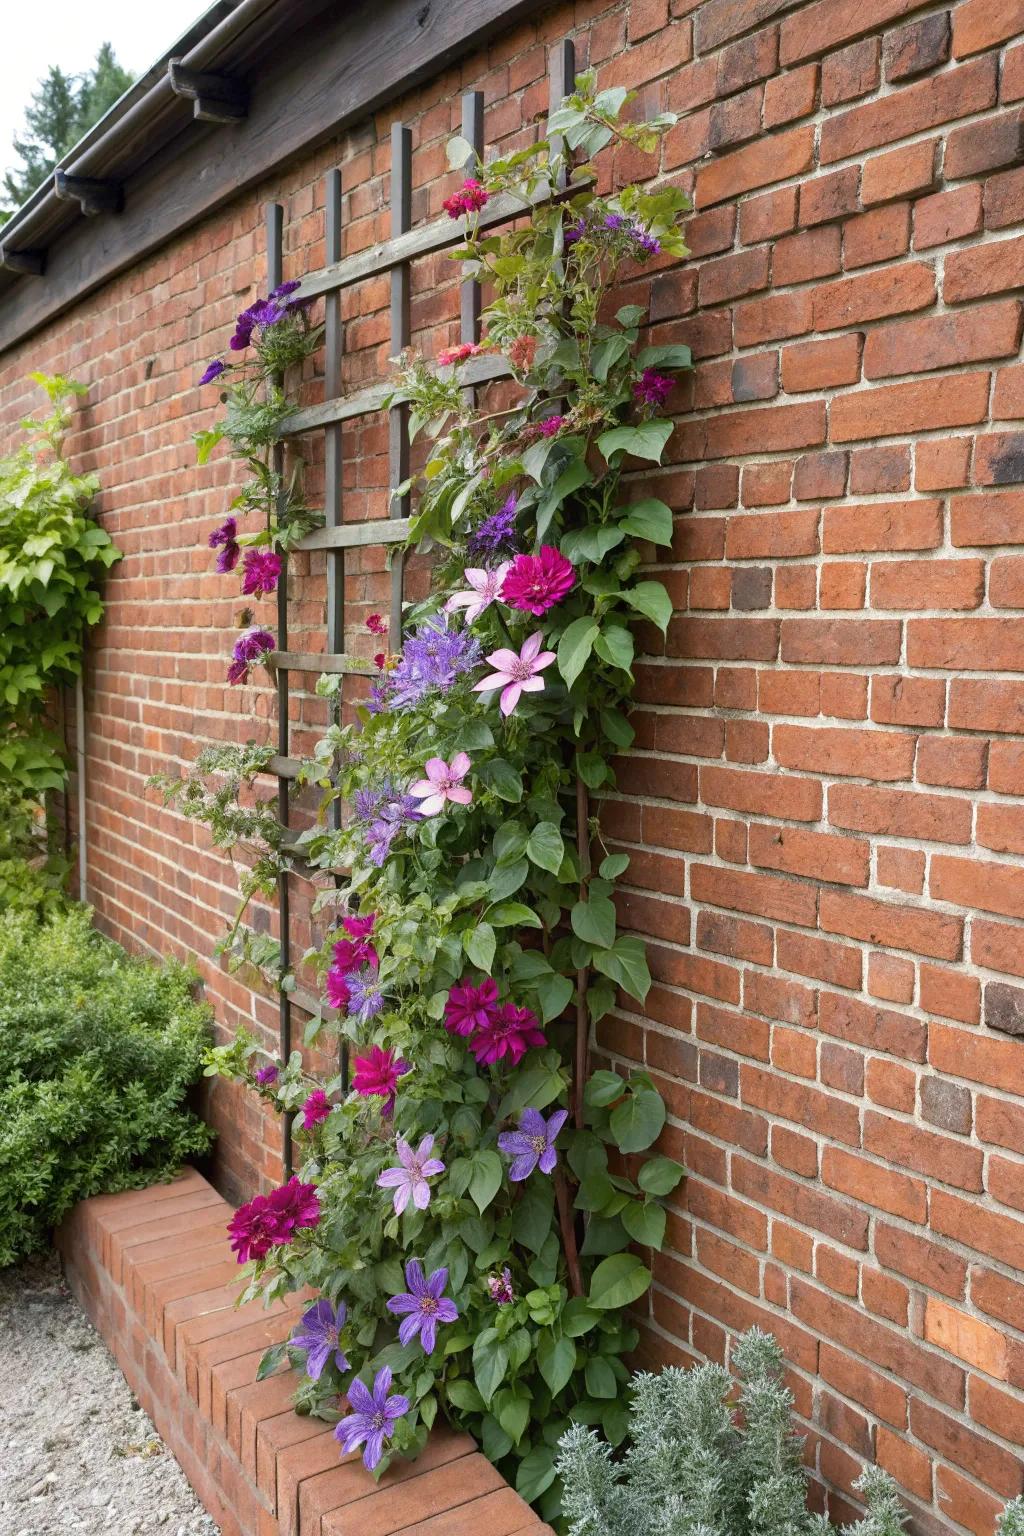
column 790, row 96
column 890, row 978
column 950, row 993
column 844, row 752
column 853, row 71
column 952, row 764
column 766, row 485
column 892, row 410
column 996, row 1062
column 879, row 235
column 982, row 704
column 998, row 458
column 994, row 267
column 942, row 463
column 901, row 869
column 876, row 922
column 875, row 1185
column 947, row 216
column 961, row 1445
column 838, row 964
column 909, row 1465
column 984, row 645
column 772, row 535
column 899, row 173
column 770, row 214
column 984, row 146
column 829, row 197
column 756, row 165
column 934, row 1155
column 997, row 518
column 918, row 47
column 1001, row 198
column 886, row 525
column 900, row 700
column 977, row 24
column 810, row 254
column 815, row 365
column 944, row 341
column 921, row 1260
column 913, row 109
column 876, row 1029
column 892, row 291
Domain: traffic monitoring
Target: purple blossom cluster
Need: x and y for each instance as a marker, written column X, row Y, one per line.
column 432, row 661
column 496, row 535
column 386, row 810
column 249, row 647
column 645, row 244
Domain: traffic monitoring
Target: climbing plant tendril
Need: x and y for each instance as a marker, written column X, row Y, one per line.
column 470, row 1208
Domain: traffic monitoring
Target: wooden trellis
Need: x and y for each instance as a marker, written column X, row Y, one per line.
column 394, row 256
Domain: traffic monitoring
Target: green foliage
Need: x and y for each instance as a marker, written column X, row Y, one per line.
column 32, row 875
column 705, row 1461
column 62, row 109
column 52, row 558
column 97, row 1054
column 1011, row 1521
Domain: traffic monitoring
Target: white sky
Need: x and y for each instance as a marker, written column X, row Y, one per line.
column 68, row 33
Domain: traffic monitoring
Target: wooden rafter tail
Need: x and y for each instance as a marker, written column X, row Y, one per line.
column 25, row 263
column 93, row 194
column 216, row 98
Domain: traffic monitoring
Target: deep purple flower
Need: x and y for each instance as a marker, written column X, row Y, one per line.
column 535, row 583
column 510, row 1032
column 377, row 1075
column 644, row 241
column 469, row 1008
column 615, row 221
column 496, row 535
column 409, row 1179
column 262, row 569
column 249, row 647
column 264, row 1076
column 244, row 325
column 316, row 1109
column 533, row 1144
column 213, row 371
column 365, row 998
column 225, row 538
column 423, row 1306
column 575, row 231
column 318, row 1336
column 653, row 388
column 284, row 289
column 272, row 1220
column 387, row 810
column 500, row 1288
column 374, row 1418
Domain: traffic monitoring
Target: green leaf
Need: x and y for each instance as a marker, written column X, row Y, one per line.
column 652, row 600
column 645, row 1223
column 486, row 1180
column 535, row 1473
column 574, row 648
column 533, row 1216
column 626, row 965
column 545, row 846
column 603, row 1088
column 630, row 315
column 660, row 1175
column 555, row 1360
column 578, row 1318
column 554, row 994
column 648, row 519
column 480, row 944
column 509, row 842
column 600, row 1378
column 594, row 1192
column 513, row 1414
column 591, row 543
column 490, row 1363
column 513, row 914
column 613, row 866
column 672, row 356
column 271, row 1360
column 592, row 769
column 638, row 1120
column 615, row 646
column 618, row 1281
column 646, row 440
column 593, row 921
column 502, row 778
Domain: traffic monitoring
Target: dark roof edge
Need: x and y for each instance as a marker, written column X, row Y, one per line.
column 310, row 71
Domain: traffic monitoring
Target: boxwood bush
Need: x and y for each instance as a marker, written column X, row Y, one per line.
column 97, row 1054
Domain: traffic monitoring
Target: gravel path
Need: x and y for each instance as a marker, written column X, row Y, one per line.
column 77, row 1453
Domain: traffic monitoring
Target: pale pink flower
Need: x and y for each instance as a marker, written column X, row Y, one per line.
column 443, row 782
column 485, row 588
column 517, row 674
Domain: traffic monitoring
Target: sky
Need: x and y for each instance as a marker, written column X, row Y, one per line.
column 68, row 33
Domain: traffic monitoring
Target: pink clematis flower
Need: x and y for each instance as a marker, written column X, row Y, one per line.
column 516, row 674
column 485, row 585
column 409, row 1179
column 442, row 783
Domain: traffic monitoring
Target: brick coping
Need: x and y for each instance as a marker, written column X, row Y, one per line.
column 154, row 1272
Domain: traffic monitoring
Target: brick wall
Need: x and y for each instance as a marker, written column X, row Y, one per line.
column 825, row 807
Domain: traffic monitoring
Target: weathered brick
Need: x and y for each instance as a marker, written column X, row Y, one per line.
column 947, row 216
column 978, row 24
column 944, row 341
column 917, row 47
column 899, row 173
column 853, row 71
column 984, row 269
column 895, row 409
column 913, row 109
column 757, row 165
column 873, row 295
column 985, row 146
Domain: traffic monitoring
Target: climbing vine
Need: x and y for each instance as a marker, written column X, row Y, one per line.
column 470, row 1205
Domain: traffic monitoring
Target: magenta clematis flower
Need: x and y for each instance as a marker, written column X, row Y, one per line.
column 516, row 675
column 533, row 1144
column 318, row 1336
column 500, row 1288
column 374, row 1418
column 225, row 538
column 469, row 1008
column 653, row 388
column 336, row 989
column 510, row 1032
column 262, row 569
column 264, row 1076
column 550, row 426
column 423, row 1306
column 359, row 927
column 213, row 371
column 249, row 647
column 409, row 1179
column 377, row 1075
column 316, row 1109
column 443, row 783
column 270, row 1221
column 376, row 624
column 352, row 954
column 470, row 198
column 536, row 583
column 448, row 357
column 485, row 588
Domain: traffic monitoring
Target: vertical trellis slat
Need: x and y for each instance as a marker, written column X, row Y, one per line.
column 401, row 335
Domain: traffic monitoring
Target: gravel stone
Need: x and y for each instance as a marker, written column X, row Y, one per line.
column 77, row 1454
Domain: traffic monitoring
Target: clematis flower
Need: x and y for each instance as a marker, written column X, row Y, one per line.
column 575, row 231
column 469, row 1008
column 500, row 1288
column 318, row 1336
column 470, row 198
column 515, row 675
column 271, row 1221
column 484, row 589
column 336, row 989
column 509, row 1032
column 443, row 782
column 374, row 1418
column 365, row 998
column 448, row 357
column 653, row 388
column 550, row 426
column 376, row 624
column 423, row 1306
column 284, row 289
column 249, row 647
column 377, row 1075
column 409, row 1179
column 533, row 1144
column 225, row 538
column 496, row 533
column 536, row 583
column 351, row 954
column 264, row 1076
column 316, row 1109
column 262, row 568
column 359, row 927
column 213, row 371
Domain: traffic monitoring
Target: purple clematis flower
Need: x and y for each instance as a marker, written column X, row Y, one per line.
column 423, row 1306
column 318, row 1336
column 365, row 998
column 533, row 1144
column 409, row 1180
column 213, row 371
column 264, row 1076
column 374, row 1418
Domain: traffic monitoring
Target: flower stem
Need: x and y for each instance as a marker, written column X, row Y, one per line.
column 568, row 1230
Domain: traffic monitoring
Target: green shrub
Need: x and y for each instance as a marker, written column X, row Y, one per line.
column 696, row 1467
column 32, row 875
column 97, row 1053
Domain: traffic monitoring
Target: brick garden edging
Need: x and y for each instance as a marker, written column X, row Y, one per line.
column 154, row 1271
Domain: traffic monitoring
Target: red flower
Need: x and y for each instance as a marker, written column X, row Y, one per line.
column 469, row 1008
column 470, row 198
column 536, row 583
column 522, row 352
column 377, row 1075
column 451, row 355
column 510, row 1032
column 376, row 624
column 316, row 1109
column 336, row 989
column 359, row 927
column 272, row 1220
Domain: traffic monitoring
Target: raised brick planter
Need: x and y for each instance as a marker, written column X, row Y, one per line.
column 154, row 1272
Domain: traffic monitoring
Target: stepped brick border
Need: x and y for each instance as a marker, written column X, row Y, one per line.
column 153, row 1270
